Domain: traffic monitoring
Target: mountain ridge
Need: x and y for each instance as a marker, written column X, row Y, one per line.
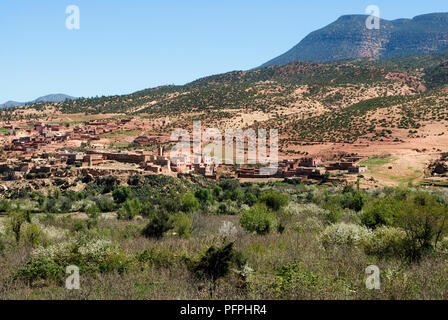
column 55, row 97
column 349, row 38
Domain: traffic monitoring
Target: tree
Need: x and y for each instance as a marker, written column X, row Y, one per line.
column 204, row 196
column 121, row 194
column 190, row 203
column 130, row 209
column 93, row 213
column 425, row 221
column 274, row 200
column 158, row 225
column 380, row 212
column 216, row 263
column 259, row 219
column 17, row 219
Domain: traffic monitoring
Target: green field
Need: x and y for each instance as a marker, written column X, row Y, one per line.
column 130, row 133
column 378, row 161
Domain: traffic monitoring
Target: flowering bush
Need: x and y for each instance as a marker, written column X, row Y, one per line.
column 54, row 234
column 386, row 241
column 442, row 246
column 228, row 229
column 344, row 234
column 93, row 255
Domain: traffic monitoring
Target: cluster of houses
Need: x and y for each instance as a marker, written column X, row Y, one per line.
column 33, row 154
column 306, row 166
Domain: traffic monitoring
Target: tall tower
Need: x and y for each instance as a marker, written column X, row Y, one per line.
column 161, row 151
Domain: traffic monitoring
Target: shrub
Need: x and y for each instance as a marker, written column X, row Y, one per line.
column 216, row 263
column 353, row 200
column 5, row 205
column 93, row 213
column 250, row 199
column 386, row 241
column 222, row 208
column 204, row 196
column 190, row 203
column 442, row 246
column 105, row 204
column 121, row 194
column 258, row 220
column 379, row 213
column 274, row 200
column 228, row 229
column 159, row 258
column 32, row 234
column 17, row 219
column 90, row 255
column 130, row 209
column 424, row 220
column 293, row 277
column 158, row 225
column 344, row 234
column 40, row 269
column 182, row 224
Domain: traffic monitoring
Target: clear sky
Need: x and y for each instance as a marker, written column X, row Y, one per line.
column 127, row 45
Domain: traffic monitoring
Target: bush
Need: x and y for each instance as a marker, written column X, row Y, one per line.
column 386, row 242
column 216, row 262
column 344, row 234
column 228, row 229
column 158, row 258
column 89, row 254
column 424, row 219
column 5, row 205
column 31, row 234
column 258, row 220
column 190, row 203
column 293, row 277
column 16, row 220
column 130, row 209
column 148, row 209
column 442, row 246
column 105, row 204
column 40, row 269
column 182, row 224
column 250, row 199
column 274, row 200
column 158, row 225
column 121, row 194
column 93, row 213
column 204, row 196
column 380, row 212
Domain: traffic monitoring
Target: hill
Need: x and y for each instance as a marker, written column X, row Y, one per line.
column 349, row 38
column 48, row 98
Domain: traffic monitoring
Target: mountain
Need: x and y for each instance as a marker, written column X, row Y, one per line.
column 349, row 38
column 48, row 98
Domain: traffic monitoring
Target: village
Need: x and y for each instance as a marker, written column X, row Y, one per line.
column 36, row 150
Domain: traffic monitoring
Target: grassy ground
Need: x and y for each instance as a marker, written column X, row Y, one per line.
column 130, row 133
column 381, row 167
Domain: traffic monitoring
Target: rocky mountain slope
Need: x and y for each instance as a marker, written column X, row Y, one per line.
column 349, row 38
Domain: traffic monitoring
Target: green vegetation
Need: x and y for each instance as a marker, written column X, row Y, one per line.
column 128, row 133
column 224, row 239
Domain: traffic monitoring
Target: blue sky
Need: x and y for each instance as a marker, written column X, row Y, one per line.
column 124, row 46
